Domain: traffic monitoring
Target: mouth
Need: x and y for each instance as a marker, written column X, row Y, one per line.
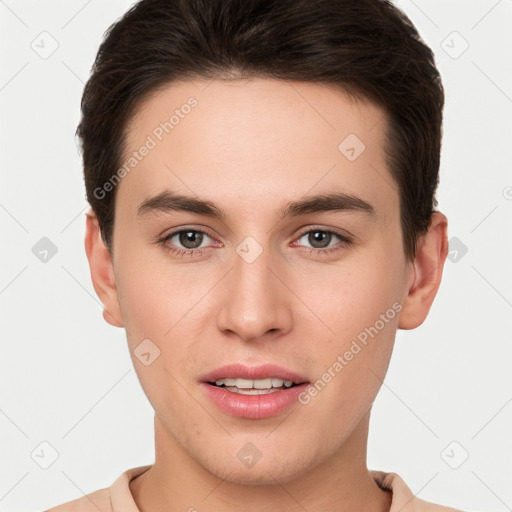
column 253, row 386
column 253, row 392
column 267, row 377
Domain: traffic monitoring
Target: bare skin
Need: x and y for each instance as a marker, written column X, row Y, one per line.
column 250, row 147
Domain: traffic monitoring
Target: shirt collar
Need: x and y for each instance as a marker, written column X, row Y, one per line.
column 403, row 499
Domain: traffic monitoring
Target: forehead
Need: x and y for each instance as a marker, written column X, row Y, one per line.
column 255, row 140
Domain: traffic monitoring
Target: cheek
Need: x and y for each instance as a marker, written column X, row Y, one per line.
column 154, row 305
column 142, row 304
column 153, row 294
column 360, row 307
column 356, row 308
column 348, row 298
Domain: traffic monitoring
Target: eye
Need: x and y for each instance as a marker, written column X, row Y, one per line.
column 320, row 240
column 185, row 241
column 193, row 242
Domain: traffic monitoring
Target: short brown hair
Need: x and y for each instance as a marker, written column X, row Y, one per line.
column 369, row 48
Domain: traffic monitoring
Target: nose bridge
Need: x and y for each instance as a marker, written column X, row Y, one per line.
column 255, row 301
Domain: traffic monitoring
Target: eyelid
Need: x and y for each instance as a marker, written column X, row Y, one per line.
column 176, row 231
column 343, row 234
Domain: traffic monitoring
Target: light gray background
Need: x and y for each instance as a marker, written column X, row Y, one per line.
column 66, row 375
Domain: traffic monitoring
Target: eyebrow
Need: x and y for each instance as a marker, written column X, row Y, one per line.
column 168, row 201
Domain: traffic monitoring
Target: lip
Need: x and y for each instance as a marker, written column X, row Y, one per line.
column 240, row 371
column 253, row 406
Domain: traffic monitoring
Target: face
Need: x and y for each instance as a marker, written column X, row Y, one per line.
column 252, row 277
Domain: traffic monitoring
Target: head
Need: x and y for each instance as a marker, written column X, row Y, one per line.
column 253, row 127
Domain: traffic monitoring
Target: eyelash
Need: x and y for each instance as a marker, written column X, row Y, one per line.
column 345, row 242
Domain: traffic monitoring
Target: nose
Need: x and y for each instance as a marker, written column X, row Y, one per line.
column 255, row 302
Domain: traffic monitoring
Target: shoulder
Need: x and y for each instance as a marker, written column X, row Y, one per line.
column 97, row 500
column 116, row 498
column 403, row 498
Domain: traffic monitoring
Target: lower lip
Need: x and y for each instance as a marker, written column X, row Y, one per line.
column 253, row 406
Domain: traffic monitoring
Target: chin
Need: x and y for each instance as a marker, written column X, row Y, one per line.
column 253, row 477
column 266, row 471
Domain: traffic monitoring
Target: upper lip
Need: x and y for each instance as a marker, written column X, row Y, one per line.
column 241, row 371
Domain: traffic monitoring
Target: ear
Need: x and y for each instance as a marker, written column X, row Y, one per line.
column 428, row 265
column 102, row 271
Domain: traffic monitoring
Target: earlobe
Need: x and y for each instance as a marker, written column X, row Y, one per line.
column 102, row 271
column 110, row 319
column 428, row 265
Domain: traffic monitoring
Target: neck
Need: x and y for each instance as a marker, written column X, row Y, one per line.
column 176, row 482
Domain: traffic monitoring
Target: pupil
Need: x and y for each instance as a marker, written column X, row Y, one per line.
column 187, row 237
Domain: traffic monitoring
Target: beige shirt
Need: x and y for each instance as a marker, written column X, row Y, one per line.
column 118, row 498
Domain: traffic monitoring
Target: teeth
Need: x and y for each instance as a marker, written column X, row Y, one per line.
column 254, row 384
column 253, row 391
